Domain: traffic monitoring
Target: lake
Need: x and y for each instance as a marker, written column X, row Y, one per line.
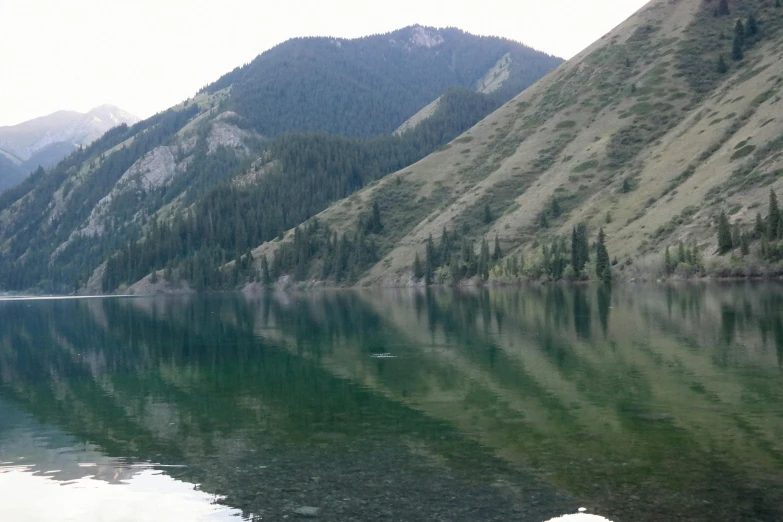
column 633, row 402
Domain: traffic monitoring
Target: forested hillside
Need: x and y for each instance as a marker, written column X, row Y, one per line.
column 331, row 85
column 656, row 152
column 250, row 156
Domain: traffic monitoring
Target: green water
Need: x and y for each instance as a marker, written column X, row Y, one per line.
column 635, row 402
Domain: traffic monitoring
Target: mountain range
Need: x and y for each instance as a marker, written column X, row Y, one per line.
column 433, row 156
column 46, row 140
column 269, row 145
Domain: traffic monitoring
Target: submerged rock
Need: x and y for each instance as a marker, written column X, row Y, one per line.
column 307, row 511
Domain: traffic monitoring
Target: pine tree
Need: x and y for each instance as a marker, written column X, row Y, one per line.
column 668, row 265
column 739, row 41
column 626, row 188
column 556, row 210
column 752, row 25
column 737, row 52
column 723, row 8
column 580, row 248
column 723, row 68
column 375, row 225
column 418, row 272
column 724, row 234
column 681, row 257
column 167, row 275
column 497, row 253
column 773, row 218
column 154, row 277
column 430, row 261
column 487, row 214
column 266, row 278
column 484, row 260
column 603, row 268
column 759, row 230
column 745, row 244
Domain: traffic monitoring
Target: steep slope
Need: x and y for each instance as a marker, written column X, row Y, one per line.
column 219, row 164
column 649, row 133
column 46, row 140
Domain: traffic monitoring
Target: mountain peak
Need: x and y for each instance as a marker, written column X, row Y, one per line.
column 112, row 115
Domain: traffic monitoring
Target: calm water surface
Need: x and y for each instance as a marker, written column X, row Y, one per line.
column 637, row 403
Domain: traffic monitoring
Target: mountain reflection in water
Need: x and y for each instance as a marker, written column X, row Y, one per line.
column 639, row 403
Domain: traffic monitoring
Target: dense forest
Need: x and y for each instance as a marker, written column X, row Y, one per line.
column 332, row 85
column 306, row 172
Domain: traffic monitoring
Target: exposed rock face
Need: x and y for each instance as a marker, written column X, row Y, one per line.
column 420, row 37
column 496, row 76
column 161, row 286
column 158, row 168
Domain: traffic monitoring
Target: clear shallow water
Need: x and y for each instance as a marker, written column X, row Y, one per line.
column 638, row 403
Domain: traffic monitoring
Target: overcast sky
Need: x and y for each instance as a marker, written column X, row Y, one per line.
column 147, row 55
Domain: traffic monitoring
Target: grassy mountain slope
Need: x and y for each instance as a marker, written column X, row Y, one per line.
column 640, row 134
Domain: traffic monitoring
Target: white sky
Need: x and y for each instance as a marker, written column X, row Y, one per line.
column 147, row 55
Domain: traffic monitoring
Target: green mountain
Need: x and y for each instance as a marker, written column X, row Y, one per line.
column 332, row 85
column 661, row 134
column 261, row 150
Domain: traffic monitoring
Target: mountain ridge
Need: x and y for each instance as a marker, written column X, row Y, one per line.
column 59, row 228
column 643, row 134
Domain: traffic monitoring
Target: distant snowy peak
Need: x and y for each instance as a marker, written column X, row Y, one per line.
column 28, row 138
column 109, row 114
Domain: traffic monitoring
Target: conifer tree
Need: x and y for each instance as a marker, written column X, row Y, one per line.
column 745, row 244
column 580, row 248
column 737, row 52
column 556, row 210
column 430, row 261
column 154, row 277
column 681, row 257
column 723, row 67
column 266, row 278
column 668, row 265
column 739, row 41
column 752, row 26
column 497, row 253
column 723, row 8
column 724, row 234
column 418, row 272
column 773, row 218
column 484, row 260
column 487, row 214
column 603, row 268
column 759, row 230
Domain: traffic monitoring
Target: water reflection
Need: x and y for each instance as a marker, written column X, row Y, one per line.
column 640, row 403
